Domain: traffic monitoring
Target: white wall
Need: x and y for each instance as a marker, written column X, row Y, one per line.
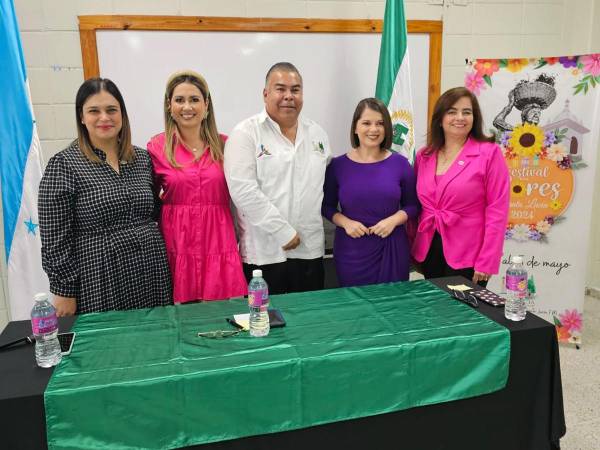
column 480, row 28
column 512, row 28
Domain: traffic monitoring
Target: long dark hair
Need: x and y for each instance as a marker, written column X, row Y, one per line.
column 378, row 106
column 91, row 87
column 436, row 138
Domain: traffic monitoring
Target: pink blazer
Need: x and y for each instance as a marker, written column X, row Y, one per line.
column 468, row 208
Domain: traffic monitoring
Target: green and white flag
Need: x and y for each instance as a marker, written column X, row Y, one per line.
column 393, row 78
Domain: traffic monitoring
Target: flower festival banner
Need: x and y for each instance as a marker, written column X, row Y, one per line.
column 545, row 113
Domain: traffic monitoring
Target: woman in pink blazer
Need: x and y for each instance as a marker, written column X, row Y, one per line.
column 463, row 186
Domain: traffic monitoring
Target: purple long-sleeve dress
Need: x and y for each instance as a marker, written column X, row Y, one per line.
column 368, row 193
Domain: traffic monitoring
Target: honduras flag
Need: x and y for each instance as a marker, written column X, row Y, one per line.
column 20, row 172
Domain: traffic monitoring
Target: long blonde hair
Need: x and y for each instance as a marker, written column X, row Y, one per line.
column 208, row 128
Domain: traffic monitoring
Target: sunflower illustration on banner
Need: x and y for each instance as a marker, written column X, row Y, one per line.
column 542, row 113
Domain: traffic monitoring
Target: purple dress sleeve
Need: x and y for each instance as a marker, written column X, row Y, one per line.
column 409, row 201
column 330, row 192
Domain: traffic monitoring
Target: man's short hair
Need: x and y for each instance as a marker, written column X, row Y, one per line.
column 284, row 67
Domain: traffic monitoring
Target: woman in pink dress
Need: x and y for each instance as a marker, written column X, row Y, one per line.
column 195, row 218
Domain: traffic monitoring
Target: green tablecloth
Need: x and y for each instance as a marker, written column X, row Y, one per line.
column 143, row 379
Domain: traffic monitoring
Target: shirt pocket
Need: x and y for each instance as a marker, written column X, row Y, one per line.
column 271, row 170
column 317, row 163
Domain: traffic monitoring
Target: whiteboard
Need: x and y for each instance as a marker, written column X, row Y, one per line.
column 338, row 70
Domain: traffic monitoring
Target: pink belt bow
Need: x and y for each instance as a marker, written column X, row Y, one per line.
column 436, row 218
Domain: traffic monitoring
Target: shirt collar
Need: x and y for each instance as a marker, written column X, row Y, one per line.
column 99, row 153
column 263, row 117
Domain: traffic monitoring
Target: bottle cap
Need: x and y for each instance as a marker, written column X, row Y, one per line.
column 40, row 296
column 257, row 273
column 517, row 260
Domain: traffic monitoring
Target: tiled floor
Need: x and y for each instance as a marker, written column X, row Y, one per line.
column 581, row 384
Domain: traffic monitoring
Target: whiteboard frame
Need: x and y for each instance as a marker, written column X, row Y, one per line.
column 88, row 25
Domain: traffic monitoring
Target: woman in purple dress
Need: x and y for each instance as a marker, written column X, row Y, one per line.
column 375, row 189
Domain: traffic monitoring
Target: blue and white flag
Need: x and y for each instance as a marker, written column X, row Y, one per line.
column 20, row 172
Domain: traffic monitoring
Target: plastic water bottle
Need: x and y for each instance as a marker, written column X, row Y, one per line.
column 258, row 301
column 516, row 290
column 45, row 330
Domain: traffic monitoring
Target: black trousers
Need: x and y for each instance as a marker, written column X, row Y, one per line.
column 435, row 265
column 293, row 275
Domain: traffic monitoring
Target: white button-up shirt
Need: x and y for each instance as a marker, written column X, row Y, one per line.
column 277, row 188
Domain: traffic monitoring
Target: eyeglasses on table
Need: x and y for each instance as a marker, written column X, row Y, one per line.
column 219, row 334
column 466, row 297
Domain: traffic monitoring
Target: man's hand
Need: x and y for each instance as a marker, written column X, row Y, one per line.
column 65, row 306
column 295, row 242
column 355, row 229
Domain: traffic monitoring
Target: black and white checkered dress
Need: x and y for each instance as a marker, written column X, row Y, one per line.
column 100, row 240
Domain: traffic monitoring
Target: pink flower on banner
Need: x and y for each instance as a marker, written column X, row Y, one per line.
column 474, row 82
column 571, row 320
column 591, row 64
column 487, row 66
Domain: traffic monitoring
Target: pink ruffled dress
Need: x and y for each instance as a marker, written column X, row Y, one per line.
column 197, row 226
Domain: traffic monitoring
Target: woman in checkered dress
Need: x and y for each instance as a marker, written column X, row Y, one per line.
column 101, row 246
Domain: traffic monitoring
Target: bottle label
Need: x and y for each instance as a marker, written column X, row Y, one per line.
column 517, row 283
column 42, row 325
column 258, row 297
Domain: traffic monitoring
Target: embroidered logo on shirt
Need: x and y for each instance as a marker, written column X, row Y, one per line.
column 318, row 147
column 263, row 151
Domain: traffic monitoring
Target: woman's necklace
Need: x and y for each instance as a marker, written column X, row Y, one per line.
column 445, row 159
column 196, row 151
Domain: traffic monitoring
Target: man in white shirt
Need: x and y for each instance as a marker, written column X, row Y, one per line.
column 275, row 167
